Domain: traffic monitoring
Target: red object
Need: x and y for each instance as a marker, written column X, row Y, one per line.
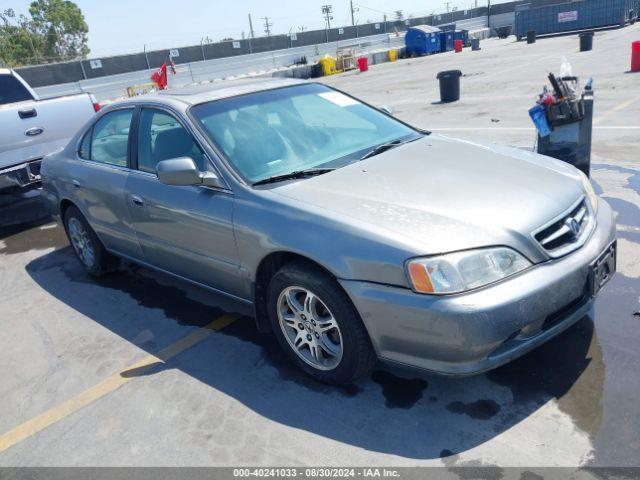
column 548, row 99
column 94, row 102
column 160, row 77
column 457, row 46
column 363, row 64
column 635, row 56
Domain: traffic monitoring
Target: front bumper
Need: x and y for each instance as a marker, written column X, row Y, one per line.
column 469, row 333
column 22, row 176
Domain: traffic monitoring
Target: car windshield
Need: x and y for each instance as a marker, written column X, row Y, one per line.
column 292, row 129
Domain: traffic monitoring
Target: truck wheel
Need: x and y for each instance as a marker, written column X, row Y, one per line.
column 317, row 325
column 86, row 245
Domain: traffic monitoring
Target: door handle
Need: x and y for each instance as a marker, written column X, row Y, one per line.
column 76, row 183
column 137, row 200
column 27, row 113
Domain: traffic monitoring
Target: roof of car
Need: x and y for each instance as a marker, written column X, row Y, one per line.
column 207, row 92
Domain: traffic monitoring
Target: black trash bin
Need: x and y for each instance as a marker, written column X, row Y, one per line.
column 449, row 85
column 531, row 36
column 475, row 44
column 586, row 41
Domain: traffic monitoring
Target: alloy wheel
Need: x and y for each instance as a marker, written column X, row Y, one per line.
column 81, row 242
column 310, row 328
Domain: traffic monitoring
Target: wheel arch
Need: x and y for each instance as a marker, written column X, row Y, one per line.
column 267, row 268
column 64, row 205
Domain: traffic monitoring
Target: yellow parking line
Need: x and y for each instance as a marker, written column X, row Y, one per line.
column 617, row 108
column 63, row 410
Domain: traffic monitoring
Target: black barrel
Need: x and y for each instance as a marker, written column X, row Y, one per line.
column 586, row 41
column 449, row 85
column 475, row 44
column 531, row 36
column 316, row 70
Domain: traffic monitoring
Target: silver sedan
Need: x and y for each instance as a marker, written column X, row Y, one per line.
column 355, row 236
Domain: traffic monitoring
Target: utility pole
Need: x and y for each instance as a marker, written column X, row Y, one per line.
column 353, row 22
column 267, row 26
column 326, row 12
column 447, row 4
column 489, row 16
column 251, row 35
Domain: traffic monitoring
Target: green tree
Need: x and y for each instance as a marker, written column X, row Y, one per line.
column 54, row 31
column 18, row 43
column 62, row 27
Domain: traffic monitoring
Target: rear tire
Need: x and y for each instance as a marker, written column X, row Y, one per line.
column 86, row 244
column 308, row 308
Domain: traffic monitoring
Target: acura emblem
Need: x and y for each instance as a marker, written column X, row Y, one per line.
column 573, row 226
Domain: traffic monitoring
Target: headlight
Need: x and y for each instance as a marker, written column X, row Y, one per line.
column 462, row 271
column 588, row 189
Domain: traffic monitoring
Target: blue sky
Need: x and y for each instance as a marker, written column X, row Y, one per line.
column 125, row 26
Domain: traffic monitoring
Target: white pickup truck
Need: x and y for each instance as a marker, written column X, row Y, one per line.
column 31, row 128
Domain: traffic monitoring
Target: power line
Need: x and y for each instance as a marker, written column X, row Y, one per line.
column 373, row 9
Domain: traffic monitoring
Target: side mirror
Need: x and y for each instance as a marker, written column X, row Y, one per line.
column 183, row 171
column 385, row 109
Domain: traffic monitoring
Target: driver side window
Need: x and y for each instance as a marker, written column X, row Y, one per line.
column 162, row 137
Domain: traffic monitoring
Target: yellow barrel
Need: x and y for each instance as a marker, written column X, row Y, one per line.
column 393, row 55
column 328, row 65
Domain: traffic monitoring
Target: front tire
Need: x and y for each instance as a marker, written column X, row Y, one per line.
column 317, row 325
column 86, row 244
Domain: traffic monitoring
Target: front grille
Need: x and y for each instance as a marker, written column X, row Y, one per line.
column 564, row 234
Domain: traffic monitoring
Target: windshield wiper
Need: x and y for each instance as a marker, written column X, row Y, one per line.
column 386, row 146
column 310, row 172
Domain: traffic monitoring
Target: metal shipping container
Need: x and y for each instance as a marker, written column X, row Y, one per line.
column 570, row 16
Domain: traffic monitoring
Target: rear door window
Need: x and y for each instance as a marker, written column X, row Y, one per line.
column 11, row 90
column 110, row 138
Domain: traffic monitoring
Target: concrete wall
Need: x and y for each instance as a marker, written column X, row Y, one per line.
column 265, row 63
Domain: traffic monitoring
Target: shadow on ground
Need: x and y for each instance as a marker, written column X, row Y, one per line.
column 400, row 413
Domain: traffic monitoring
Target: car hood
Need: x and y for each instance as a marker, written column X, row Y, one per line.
column 446, row 194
